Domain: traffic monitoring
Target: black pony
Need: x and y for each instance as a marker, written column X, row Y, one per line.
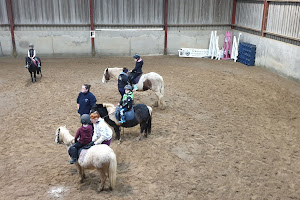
column 142, row 116
column 34, row 69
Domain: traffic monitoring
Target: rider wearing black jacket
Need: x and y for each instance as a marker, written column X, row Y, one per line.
column 137, row 71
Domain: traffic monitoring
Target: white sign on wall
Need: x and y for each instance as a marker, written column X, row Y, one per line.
column 92, row 34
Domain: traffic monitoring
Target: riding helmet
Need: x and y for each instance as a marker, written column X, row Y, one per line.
column 136, row 56
column 85, row 119
column 31, row 45
column 128, row 87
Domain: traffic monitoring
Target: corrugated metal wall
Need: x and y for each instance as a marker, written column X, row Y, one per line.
column 3, row 13
column 249, row 14
column 284, row 19
column 51, row 12
column 199, row 12
column 128, row 12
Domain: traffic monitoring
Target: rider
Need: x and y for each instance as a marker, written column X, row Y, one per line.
column 31, row 56
column 126, row 102
column 85, row 134
column 102, row 132
column 137, row 71
column 123, row 81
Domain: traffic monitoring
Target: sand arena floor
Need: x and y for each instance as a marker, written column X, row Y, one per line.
column 228, row 132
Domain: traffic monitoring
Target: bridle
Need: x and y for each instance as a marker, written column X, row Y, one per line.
column 57, row 139
column 107, row 75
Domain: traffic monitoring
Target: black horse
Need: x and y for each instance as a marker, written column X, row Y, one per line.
column 142, row 116
column 34, row 69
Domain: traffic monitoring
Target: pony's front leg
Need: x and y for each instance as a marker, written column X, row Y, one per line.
column 35, row 76
column 81, row 173
column 31, row 76
column 117, row 131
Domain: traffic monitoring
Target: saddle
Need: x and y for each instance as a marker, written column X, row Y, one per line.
column 129, row 115
column 82, row 151
column 136, row 80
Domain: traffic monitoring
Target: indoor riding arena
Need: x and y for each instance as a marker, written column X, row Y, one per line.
column 225, row 130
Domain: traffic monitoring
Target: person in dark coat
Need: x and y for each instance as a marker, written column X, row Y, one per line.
column 85, row 100
column 137, row 71
column 123, row 81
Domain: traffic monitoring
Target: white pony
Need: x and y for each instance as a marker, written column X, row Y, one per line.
column 149, row 81
column 100, row 157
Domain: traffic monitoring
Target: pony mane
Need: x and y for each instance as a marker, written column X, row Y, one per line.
column 111, row 108
column 108, row 105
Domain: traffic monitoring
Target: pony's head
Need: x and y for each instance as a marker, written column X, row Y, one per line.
column 101, row 109
column 32, row 66
column 63, row 136
column 106, row 76
column 111, row 73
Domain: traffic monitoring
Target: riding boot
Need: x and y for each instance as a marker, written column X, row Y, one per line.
column 122, row 117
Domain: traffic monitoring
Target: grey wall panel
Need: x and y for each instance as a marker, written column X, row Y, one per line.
column 128, row 11
column 249, row 14
column 284, row 19
column 51, row 12
column 52, row 28
column 199, row 11
column 5, row 43
column 3, row 13
column 275, row 55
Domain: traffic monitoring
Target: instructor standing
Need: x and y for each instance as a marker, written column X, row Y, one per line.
column 85, row 100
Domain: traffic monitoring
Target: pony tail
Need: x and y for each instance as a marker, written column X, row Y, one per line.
column 148, row 124
column 112, row 170
column 162, row 88
column 148, row 127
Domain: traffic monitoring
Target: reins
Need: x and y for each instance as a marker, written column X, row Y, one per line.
column 109, row 114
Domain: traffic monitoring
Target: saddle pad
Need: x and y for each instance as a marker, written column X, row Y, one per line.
column 137, row 79
column 82, row 155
